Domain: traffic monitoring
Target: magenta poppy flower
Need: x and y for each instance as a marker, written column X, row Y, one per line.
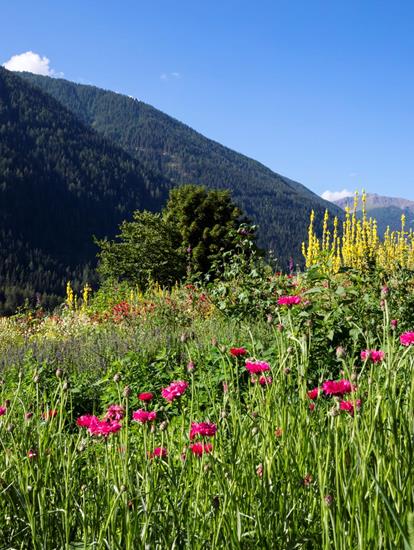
column 115, row 412
column 373, row 355
column 145, row 396
column 103, row 427
column 199, row 449
column 257, row 367
column 407, row 338
column 160, row 452
column 339, row 387
column 205, row 429
column 349, row 407
column 289, row 301
column 174, row 390
column 144, row 416
column 313, row 394
column 85, row 420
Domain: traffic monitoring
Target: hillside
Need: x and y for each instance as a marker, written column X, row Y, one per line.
column 386, row 210
column 280, row 206
column 60, row 183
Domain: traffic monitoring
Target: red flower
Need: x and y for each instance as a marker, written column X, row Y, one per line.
column 205, row 429
column 103, row 427
column 407, row 338
column 3, row 411
column 199, row 449
column 50, row 413
column 174, row 390
column 146, row 396
column 372, row 355
column 311, row 407
column 289, row 301
column 85, row 420
column 349, row 407
column 257, row 367
column 339, row 387
column 238, row 352
column 144, row 416
column 159, row 452
column 313, row 394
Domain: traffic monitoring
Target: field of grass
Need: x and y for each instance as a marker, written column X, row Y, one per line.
column 242, row 453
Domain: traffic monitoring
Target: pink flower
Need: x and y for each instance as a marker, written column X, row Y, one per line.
column 144, row 416
column 145, row 396
column 311, row 407
column 160, row 452
column 115, row 412
column 3, row 411
column 28, row 415
column 174, row 390
column 340, row 387
column 200, row 448
column 205, row 429
column 289, row 301
column 103, row 427
column 85, row 420
column 376, row 356
column 265, row 380
column 257, row 367
column 407, row 338
column 313, row 394
column 348, row 406
column 394, row 323
column 238, row 352
column 32, row 453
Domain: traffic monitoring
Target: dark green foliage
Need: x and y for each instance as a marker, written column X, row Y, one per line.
column 148, row 250
column 60, row 183
column 205, row 220
column 278, row 205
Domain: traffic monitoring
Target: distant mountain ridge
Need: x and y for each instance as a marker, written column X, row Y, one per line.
column 280, row 206
column 386, row 210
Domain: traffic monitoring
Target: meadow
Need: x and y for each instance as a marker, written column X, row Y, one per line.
column 157, row 421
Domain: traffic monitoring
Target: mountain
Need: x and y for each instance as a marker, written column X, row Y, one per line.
column 165, row 146
column 386, row 210
column 60, row 183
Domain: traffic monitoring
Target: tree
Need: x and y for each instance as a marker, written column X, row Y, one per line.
column 148, row 249
column 206, row 221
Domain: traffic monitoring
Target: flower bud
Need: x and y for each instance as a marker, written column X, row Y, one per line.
column 127, row 391
column 117, row 377
column 59, row 373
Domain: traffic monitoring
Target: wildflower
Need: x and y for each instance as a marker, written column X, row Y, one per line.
column 238, row 352
column 145, row 396
column 28, row 415
column 394, row 323
column 32, row 453
column 174, row 390
column 190, row 366
column 115, row 412
column 144, row 416
column 311, row 407
column 289, row 300
column 85, row 420
column 199, row 449
column 127, row 391
column 265, row 380
column 376, row 356
column 3, row 411
column 205, row 429
column 313, row 394
column 339, row 387
column 49, row 414
column 407, row 338
column 279, row 432
column 348, row 406
column 307, row 480
column 257, row 367
column 160, row 452
column 103, row 427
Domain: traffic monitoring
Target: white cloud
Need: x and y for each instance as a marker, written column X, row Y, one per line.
column 31, row 62
column 170, row 76
column 336, row 195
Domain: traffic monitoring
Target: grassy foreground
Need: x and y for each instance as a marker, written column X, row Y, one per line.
column 283, row 467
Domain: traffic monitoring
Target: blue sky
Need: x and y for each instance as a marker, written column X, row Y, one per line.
column 319, row 91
